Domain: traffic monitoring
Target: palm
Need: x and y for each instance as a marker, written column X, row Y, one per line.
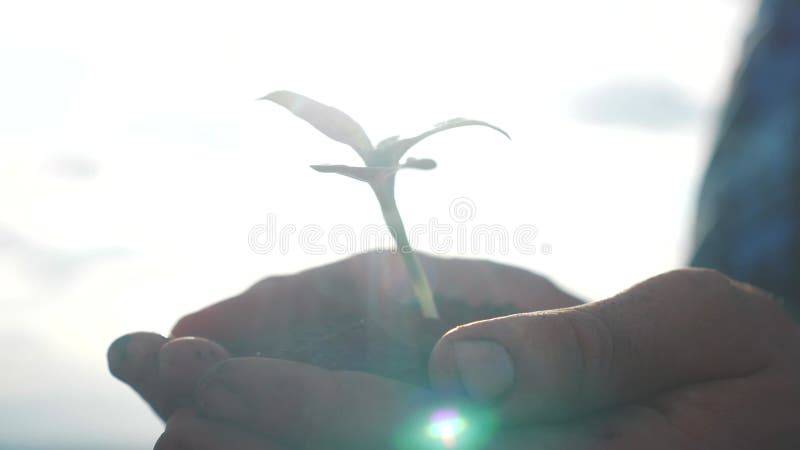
column 359, row 314
column 356, row 314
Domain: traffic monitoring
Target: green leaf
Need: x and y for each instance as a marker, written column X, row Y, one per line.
column 393, row 151
column 374, row 174
column 422, row 164
column 332, row 122
column 368, row 174
column 387, row 142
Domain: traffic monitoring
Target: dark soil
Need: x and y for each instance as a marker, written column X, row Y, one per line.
column 395, row 345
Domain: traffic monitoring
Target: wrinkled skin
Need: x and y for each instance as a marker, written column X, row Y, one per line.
column 685, row 360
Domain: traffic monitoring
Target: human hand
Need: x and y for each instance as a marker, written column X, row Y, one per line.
column 686, row 360
column 277, row 312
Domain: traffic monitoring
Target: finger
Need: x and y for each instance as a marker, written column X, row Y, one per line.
column 306, row 406
column 479, row 282
column 268, row 313
column 455, row 282
column 186, row 431
column 182, row 361
column 679, row 328
column 229, row 322
column 163, row 373
column 271, row 310
column 133, row 359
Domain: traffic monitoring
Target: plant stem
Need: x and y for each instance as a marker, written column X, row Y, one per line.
column 419, row 281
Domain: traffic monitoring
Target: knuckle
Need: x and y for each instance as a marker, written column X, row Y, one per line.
column 706, row 278
column 593, row 346
column 265, row 286
column 716, row 289
column 577, row 347
column 718, row 297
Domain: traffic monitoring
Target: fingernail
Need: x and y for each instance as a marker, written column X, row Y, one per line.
column 485, row 368
column 117, row 353
column 182, row 361
column 217, row 400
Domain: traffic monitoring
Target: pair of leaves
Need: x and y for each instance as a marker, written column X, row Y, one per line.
column 374, row 174
column 342, row 128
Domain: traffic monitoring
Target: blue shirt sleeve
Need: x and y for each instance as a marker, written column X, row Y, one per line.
column 748, row 221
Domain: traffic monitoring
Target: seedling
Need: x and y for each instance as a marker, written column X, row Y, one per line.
column 382, row 162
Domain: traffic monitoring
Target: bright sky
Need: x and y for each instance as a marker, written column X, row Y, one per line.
column 134, row 160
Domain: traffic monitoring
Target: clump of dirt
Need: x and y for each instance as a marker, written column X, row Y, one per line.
column 395, row 345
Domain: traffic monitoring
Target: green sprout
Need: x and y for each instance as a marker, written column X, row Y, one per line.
column 381, row 165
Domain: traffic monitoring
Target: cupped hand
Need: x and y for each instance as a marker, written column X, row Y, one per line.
column 275, row 316
column 686, row 360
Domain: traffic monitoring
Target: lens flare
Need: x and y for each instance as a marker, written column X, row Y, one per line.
column 445, row 426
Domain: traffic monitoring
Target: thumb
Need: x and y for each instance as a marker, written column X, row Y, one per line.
column 682, row 327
